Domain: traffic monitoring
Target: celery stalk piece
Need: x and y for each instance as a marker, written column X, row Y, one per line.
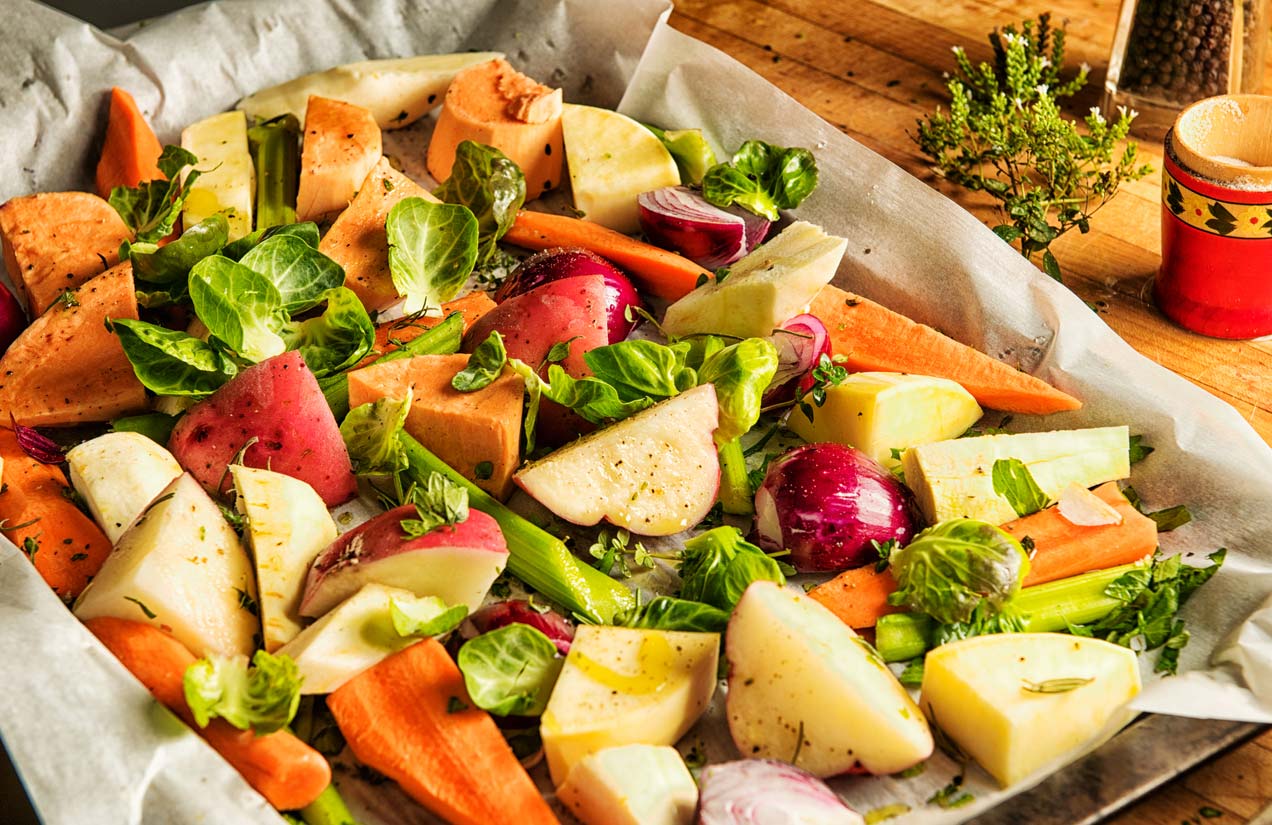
column 1047, row 608
column 442, row 339
column 735, row 485
column 328, row 809
column 275, row 146
column 535, row 556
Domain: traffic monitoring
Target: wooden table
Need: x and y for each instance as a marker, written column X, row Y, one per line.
column 873, row 67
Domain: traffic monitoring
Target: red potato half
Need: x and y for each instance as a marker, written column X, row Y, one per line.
column 856, row 717
column 279, row 404
column 456, row 563
column 655, row 474
column 548, row 314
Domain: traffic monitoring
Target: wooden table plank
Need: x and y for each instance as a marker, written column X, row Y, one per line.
column 872, row 67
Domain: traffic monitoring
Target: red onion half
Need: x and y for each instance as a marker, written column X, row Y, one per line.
column 37, row 445
column 800, row 343
column 680, row 219
column 826, row 502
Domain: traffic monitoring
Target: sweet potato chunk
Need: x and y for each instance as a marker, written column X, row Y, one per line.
column 357, row 240
column 55, row 241
column 467, row 430
column 342, row 143
column 67, row 368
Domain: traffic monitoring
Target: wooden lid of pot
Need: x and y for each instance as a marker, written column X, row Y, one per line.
column 1227, row 139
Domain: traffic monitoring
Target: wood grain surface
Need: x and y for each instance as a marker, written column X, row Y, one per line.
column 872, row 67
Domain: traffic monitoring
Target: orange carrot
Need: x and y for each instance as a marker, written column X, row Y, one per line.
column 875, row 339
column 1071, row 550
column 131, row 153
column 655, row 270
column 410, row 718
column 37, row 515
column 1062, row 549
column 283, row 769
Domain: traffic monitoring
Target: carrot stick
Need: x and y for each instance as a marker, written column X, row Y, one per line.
column 67, row 547
column 1062, row 549
column 874, row 339
column 410, row 718
column 1072, row 550
column 283, row 769
column 662, row 273
column 131, row 153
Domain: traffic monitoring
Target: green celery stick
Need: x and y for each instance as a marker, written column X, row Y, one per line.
column 535, row 556
column 1048, row 608
column 735, row 486
column 275, row 148
column 327, row 809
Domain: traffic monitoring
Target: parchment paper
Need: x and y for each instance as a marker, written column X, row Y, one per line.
column 89, row 743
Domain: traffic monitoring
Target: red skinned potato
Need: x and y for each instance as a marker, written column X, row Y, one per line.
column 560, row 263
column 548, row 314
column 278, row 406
column 456, row 562
column 826, row 503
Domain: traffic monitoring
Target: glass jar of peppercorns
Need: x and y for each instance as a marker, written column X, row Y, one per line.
column 1169, row 53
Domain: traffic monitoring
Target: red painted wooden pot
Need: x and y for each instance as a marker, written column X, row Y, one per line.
column 1216, row 271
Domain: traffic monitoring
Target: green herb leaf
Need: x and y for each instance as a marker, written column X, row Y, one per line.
column 439, row 502
column 510, row 671
column 1013, row 481
column 1138, row 449
column 952, row 795
column 560, row 351
column 307, row 232
column 1061, row 685
column 1004, row 134
column 950, row 568
column 886, row 812
column 1167, row 519
column 370, row 434
column 169, row 265
column 740, row 373
column 425, row 616
column 239, row 306
column 302, row 274
column 912, row 676
column 432, row 250
column 151, row 208
column 689, row 149
column 762, row 178
column 825, row 375
column 484, row 365
column 612, row 550
column 719, row 565
column 337, row 339
column 491, row 185
column 262, row 698
column 169, row 362
column 669, row 613
column 484, row 470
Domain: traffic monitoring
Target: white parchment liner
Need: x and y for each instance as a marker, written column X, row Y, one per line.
column 88, row 741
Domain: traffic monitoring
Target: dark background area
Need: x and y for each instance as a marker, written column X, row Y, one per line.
column 105, row 13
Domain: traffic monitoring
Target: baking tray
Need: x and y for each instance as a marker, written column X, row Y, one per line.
column 1149, row 753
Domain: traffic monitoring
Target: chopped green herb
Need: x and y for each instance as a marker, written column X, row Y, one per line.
column 79, row 556
column 484, row 470
column 1138, row 449
column 886, row 812
column 1208, row 812
column 246, row 602
column 912, row 771
column 30, row 546
column 439, row 502
column 67, row 299
column 146, row 611
column 912, row 676
column 456, row 705
column 884, row 550
column 1013, row 481
column 952, row 795
column 559, row 351
column 825, row 375
column 1062, row 685
column 611, row 553
column 695, row 759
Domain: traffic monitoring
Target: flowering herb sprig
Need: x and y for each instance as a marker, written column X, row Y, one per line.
column 1004, row 135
